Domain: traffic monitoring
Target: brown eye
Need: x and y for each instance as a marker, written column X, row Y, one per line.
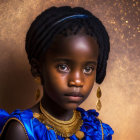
column 88, row 69
column 63, row 68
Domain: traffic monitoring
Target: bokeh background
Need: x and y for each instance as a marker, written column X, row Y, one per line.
column 121, row 87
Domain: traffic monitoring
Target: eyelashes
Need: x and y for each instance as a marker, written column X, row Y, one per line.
column 65, row 68
column 88, row 70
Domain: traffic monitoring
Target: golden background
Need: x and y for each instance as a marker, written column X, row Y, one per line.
column 121, row 88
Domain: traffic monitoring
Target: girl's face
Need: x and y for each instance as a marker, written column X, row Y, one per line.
column 69, row 70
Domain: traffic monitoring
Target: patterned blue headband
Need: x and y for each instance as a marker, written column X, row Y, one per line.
column 71, row 17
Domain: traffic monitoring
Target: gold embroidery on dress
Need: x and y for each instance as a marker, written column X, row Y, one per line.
column 101, row 128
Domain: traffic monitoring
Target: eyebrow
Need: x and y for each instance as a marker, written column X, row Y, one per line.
column 92, row 62
column 62, row 59
column 68, row 60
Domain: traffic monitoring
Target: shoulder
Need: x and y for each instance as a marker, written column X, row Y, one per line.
column 18, row 122
column 92, row 123
column 13, row 130
column 106, row 129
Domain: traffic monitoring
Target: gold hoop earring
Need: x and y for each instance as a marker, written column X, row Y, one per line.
column 37, row 93
column 98, row 104
column 38, row 80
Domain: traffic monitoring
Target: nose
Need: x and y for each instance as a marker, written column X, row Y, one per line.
column 76, row 80
column 76, row 83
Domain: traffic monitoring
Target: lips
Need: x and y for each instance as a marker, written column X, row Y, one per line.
column 74, row 96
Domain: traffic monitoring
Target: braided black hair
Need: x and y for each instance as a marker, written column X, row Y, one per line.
column 42, row 31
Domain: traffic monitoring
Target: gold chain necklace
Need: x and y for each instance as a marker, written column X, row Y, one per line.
column 62, row 128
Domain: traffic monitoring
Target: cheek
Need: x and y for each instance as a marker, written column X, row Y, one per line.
column 55, row 80
column 89, row 82
column 60, row 82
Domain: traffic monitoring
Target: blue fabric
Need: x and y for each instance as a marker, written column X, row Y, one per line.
column 37, row 131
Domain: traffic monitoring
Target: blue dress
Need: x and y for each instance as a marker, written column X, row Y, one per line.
column 35, row 130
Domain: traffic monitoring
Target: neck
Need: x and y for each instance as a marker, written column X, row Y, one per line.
column 55, row 110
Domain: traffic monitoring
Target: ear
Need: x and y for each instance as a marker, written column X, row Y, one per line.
column 35, row 67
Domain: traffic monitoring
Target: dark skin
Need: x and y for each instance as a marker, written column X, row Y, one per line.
column 68, row 72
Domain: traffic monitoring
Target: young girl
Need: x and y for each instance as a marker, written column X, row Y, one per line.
column 68, row 50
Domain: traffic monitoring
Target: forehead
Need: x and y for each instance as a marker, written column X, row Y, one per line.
column 74, row 45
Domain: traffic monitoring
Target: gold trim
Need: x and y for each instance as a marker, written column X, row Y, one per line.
column 17, row 121
column 101, row 128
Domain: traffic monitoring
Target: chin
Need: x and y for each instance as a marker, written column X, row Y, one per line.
column 71, row 106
